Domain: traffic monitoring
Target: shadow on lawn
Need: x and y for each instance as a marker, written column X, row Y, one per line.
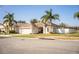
column 4, row 37
column 46, row 39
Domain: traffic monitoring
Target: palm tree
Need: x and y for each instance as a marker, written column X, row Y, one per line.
column 34, row 21
column 9, row 22
column 48, row 17
column 76, row 15
column 63, row 24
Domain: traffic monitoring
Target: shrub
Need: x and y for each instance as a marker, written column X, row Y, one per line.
column 51, row 33
column 12, row 32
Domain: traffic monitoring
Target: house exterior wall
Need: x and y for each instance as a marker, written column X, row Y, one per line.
column 16, row 29
column 65, row 30
column 77, row 31
column 72, row 30
column 2, row 28
column 51, row 29
column 23, row 30
column 31, row 30
column 34, row 29
column 47, row 29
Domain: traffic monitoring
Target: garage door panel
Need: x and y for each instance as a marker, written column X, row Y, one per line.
column 25, row 31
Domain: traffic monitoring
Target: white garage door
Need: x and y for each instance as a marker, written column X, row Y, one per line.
column 25, row 31
column 61, row 30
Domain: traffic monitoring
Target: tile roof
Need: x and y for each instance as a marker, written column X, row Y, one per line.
column 38, row 25
column 23, row 25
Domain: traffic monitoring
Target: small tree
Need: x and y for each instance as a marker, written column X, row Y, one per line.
column 62, row 24
column 34, row 21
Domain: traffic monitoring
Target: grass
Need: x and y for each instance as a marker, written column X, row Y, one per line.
column 74, row 35
column 46, row 35
column 35, row 35
column 71, row 36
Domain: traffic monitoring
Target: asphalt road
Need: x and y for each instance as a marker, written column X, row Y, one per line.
column 38, row 46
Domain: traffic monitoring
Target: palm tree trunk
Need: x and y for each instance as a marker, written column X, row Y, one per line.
column 50, row 25
column 11, row 28
column 44, row 30
column 8, row 30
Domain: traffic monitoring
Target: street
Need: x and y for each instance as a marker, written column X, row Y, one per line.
column 14, row 45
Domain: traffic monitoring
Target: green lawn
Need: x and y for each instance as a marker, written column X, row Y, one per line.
column 46, row 35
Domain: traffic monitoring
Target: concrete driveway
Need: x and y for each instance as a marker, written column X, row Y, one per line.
column 38, row 46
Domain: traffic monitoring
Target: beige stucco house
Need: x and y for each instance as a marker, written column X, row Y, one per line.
column 28, row 28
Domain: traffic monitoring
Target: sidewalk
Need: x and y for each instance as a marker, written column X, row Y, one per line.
column 5, row 35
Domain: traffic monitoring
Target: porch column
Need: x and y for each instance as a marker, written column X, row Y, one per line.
column 44, row 30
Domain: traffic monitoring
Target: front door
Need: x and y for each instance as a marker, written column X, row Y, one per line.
column 40, row 30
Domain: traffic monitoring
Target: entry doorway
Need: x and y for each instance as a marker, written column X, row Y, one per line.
column 40, row 30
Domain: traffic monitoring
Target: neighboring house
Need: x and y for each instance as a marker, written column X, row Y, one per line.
column 2, row 27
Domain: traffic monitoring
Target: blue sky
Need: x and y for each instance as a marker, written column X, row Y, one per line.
column 28, row 12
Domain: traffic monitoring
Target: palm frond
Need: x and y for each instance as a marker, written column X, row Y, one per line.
column 56, row 17
column 49, row 16
column 76, row 15
column 15, row 21
column 43, row 16
column 6, row 16
column 5, row 21
column 47, row 12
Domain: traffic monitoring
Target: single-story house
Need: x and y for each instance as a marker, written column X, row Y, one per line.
column 28, row 28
